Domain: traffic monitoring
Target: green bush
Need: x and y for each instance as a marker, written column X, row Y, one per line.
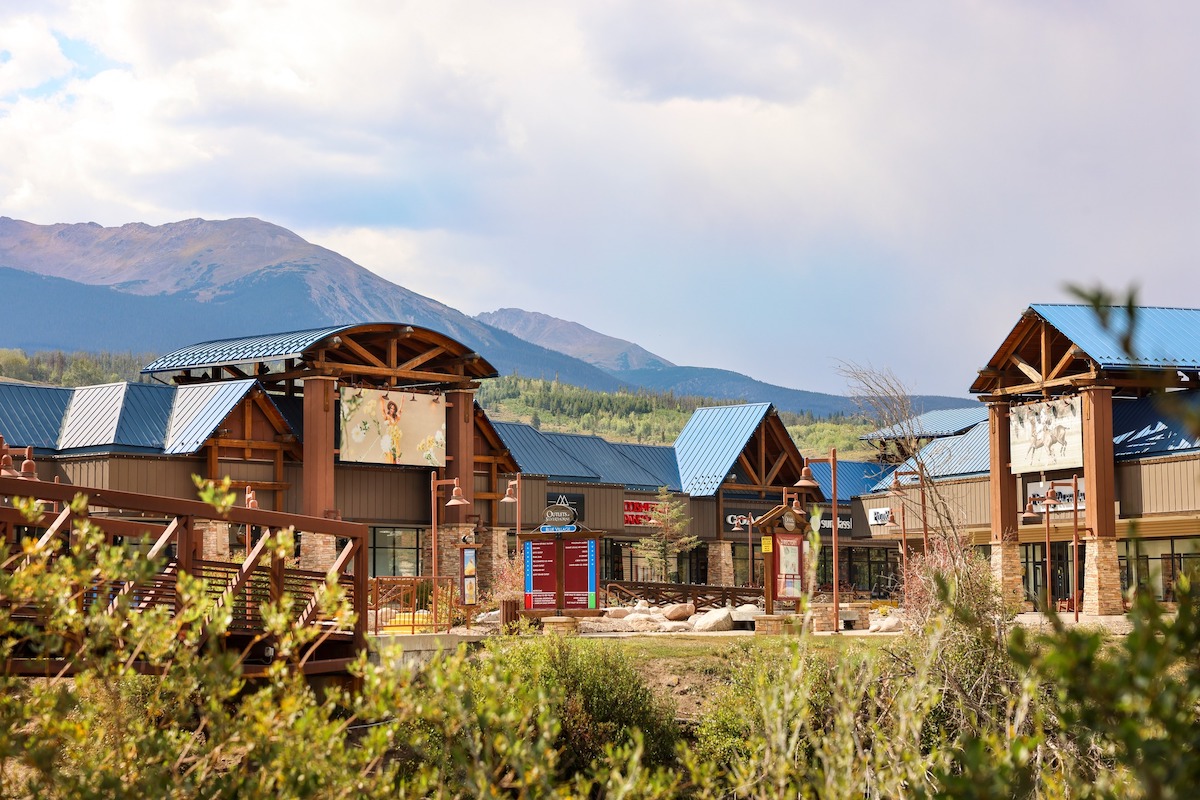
column 599, row 698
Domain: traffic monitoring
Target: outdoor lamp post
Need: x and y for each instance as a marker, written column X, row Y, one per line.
column 456, row 499
column 737, row 528
column 807, row 483
column 1030, row 516
column 512, row 494
column 903, row 525
column 898, row 493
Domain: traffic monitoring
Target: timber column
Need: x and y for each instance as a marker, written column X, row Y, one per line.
column 1101, row 573
column 318, row 552
column 460, row 463
column 1006, row 555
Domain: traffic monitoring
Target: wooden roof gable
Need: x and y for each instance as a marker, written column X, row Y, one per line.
column 769, row 460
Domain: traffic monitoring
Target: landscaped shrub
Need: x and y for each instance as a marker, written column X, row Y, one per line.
column 600, row 697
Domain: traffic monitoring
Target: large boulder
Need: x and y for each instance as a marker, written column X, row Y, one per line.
column 642, row 604
column 641, row 622
column 679, row 611
column 890, row 623
column 748, row 608
column 719, row 619
column 616, row 613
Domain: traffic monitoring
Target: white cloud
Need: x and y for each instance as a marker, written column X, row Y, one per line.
column 708, row 179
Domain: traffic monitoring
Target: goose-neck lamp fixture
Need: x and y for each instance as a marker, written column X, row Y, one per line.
column 512, row 494
column 456, row 499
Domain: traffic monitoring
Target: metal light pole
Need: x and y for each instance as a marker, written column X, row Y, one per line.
column 737, row 528
column 456, row 499
column 1030, row 516
column 896, row 492
column 513, row 495
column 808, row 483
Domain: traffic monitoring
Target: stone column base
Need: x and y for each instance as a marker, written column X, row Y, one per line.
column 1006, row 569
column 214, row 541
column 449, row 539
column 317, row 551
column 1102, row 578
column 720, row 563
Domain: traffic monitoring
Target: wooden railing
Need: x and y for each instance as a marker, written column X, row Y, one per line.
column 412, row 605
column 239, row 590
column 661, row 594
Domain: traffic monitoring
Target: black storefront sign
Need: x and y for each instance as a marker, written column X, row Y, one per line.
column 572, row 499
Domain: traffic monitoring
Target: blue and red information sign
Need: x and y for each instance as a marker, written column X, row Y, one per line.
column 541, row 576
column 560, row 574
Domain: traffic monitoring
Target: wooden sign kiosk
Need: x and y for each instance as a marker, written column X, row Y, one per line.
column 562, row 567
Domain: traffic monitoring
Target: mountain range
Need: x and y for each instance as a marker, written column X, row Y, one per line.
column 152, row 289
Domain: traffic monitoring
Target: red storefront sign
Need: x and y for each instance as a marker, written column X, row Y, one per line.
column 637, row 512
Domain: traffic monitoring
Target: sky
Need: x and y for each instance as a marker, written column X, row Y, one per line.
column 775, row 187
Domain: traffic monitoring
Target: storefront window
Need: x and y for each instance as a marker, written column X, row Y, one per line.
column 395, row 551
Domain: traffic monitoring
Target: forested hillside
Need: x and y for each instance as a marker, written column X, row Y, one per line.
column 71, row 369
column 643, row 416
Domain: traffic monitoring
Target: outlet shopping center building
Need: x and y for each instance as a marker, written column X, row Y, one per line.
column 375, row 422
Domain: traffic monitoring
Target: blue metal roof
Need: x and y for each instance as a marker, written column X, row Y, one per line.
column 933, row 424
column 198, row 410
column 92, row 417
column 1141, row 428
column 605, row 459
column 243, row 350
column 854, row 477
column 658, row 460
column 536, row 455
column 948, row 457
column 32, row 415
column 122, row 415
column 710, row 443
column 145, row 410
column 1164, row 338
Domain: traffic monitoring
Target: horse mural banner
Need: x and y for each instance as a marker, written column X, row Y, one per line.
column 1046, row 436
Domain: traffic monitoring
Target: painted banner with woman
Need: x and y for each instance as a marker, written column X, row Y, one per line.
column 393, row 427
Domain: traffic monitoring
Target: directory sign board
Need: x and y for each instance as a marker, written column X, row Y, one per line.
column 579, row 573
column 541, row 575
column 789, row 566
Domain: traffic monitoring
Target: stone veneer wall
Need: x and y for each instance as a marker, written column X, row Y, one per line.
column 214, row 540
column 1102, row 578
column 317, row 551
column 720, row 563
column 1006, row 569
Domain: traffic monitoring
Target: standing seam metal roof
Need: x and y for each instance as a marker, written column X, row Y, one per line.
column 854, row 478
column 950, row 456
column 1164, row 338
column 198, row 410
column 658, row 460
column 710, row 443
column 536, row 455
column 32, row 416
column 603, row 457
column 944, row 422
column 243, row 350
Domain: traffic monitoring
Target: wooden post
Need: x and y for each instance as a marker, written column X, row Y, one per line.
column 319, row 421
